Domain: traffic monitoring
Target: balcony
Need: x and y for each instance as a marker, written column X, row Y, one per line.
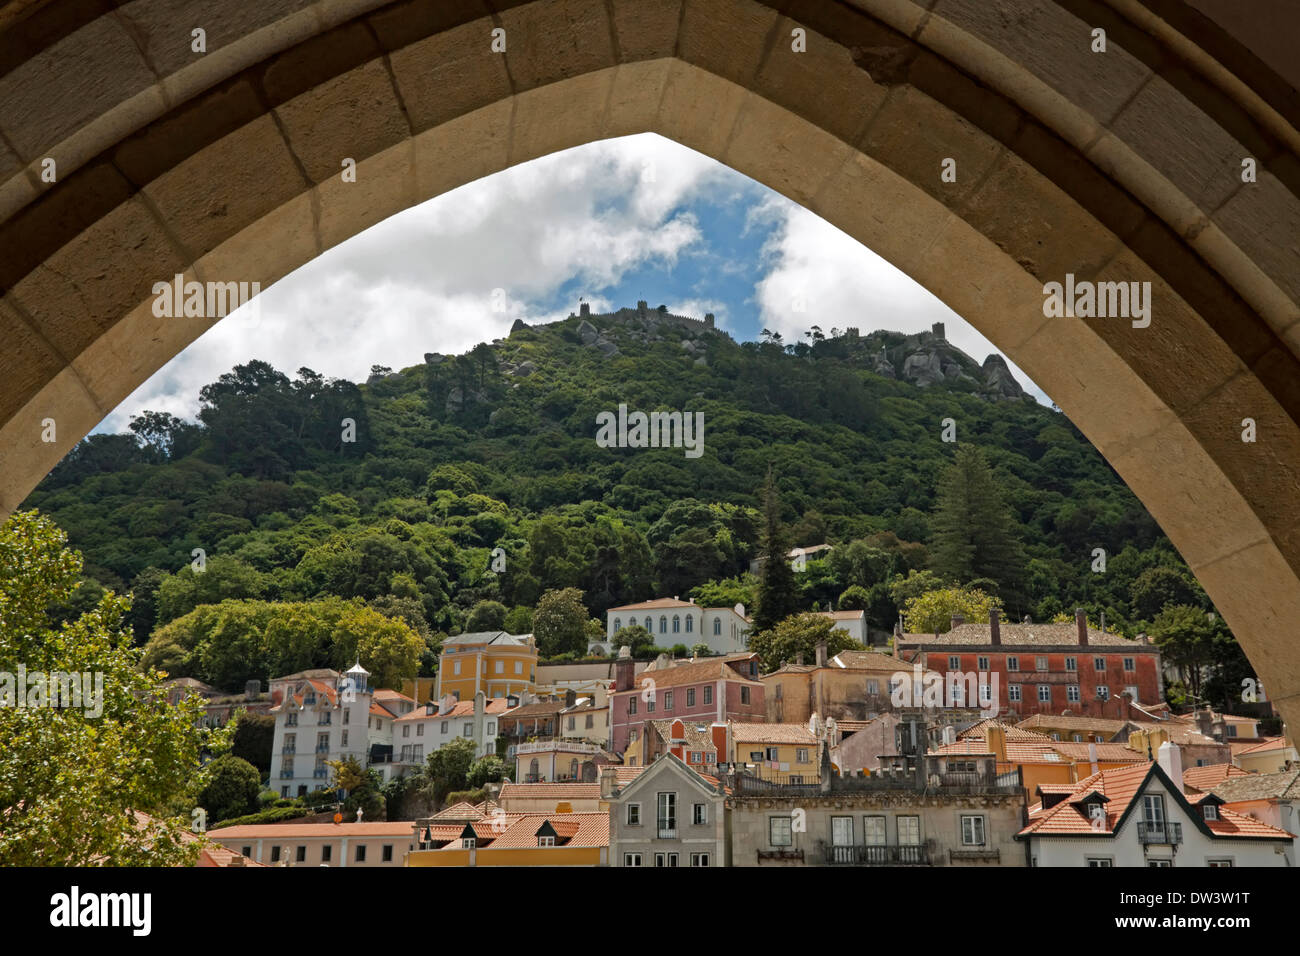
column 1164, row 834
column 286, row 774
column 906, row 855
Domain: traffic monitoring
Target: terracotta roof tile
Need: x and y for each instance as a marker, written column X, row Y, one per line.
column 1207, row 778
column 746, row 732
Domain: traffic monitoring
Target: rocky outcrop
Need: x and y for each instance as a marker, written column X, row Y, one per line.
column 998, row 380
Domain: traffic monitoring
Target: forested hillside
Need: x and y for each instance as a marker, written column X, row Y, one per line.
column 461, row 455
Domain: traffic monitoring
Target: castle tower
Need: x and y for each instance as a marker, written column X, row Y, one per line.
column 937, row 329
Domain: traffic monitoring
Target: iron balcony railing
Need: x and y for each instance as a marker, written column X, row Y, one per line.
column 880, row 855
column 1160, row 833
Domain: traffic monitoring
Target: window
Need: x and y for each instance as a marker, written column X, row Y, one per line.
column 873, row 688
column 468, row 843
column 690, row 697
column 801, row 755
column 700, row 814
column 665, row 859
column 779, row 831
column 571, row 723
column 519, row 667
column 388, row 853
column 677, row 624
column 954, row 663
column 284, row 795
column 291, row 720
column 695, row 756
column 909, row 831
column 248, row 850
column 618, row 624
column 443, row 729
column 1099, row 663
column 1160, row 863
column 1072, row 693
column 873, row 831
column 346, row 715
column 1045, row 693
column 406, row 730
column 1232, row 730
column 469, row 729
column 668, row 700
column 1224, row 862
column 774, row 753
column 591, row 721
column 1040, row 663
column 972, row 830
column 635, row 736
column 986, row 693
column 841, row 831
column 663, row 624
column 744, row 695
column 275, row 854
column 361, row 853
column 1013, row 692
column 1129, row 664
column 708, row 696
column 982, row 664
column 300, row 855
column 1071, row 663
column 326, row 853
column 631, row 859
column 1104, row 861
column 500, row 667
column 1211, row 812
column 634, row 814
column 667, row 814
column 690, row 625
column 546, row 841
column 717, row 625
column 756, row 756
column 1153, row 810
column 698, row 859
column 650, row 705
column 649, row 626
column 631, row 705
column 1013, row 663
column 1078, row 738
column 1103, row 692
column 455, row 667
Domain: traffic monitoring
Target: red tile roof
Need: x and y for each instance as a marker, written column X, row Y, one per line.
column 1207, row 778
column 558, row 792
column 571, row 829
column 464, row 708
column 744, row 732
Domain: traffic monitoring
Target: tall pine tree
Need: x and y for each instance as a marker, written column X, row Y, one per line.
column 778, row 596
column 974, row 532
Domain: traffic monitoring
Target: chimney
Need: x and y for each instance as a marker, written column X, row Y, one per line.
column 1092, row 756
column 1142, row 638
column 570, row 697
column 1170, row 759
column 995, row 738
column 821, row 653
column 608, row 782
column 719, row 734
column 1081, row 622
column 958, row 620
column 798, row 659
column 1205, row 721
column 624, row 669
column 252, row 690
column 995, row 627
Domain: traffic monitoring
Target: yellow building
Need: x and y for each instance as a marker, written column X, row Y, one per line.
column 852, row 685
column 1270, row 755
column 494, row 662
column 786, row 753
column 563, row 839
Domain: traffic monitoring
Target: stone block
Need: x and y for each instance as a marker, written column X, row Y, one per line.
column 450, row 74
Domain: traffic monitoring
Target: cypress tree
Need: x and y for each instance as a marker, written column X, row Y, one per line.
column 778, row 596
column 974, row 531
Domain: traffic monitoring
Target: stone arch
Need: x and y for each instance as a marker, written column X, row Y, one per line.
column 1121, row 166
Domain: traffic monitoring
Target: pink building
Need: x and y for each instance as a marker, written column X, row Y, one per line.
column 709, row 690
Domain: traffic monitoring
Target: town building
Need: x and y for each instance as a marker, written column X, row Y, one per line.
column 852, row 623
column 852, row 685
column 787, row 753
column 700, row 745
column 1042, row 668
column 320, row 716
column 711, row 689
column 421, row 730
column 1140, row 816
column 219, row 707
column 668, row 815
column 493, row 662
column 915, row 811
column 1196, row 749
column 1269, row 755
column 559, row 761
column 1272, row 798
column 673, row 621
column 506, row 839
column 319, row 844
column 1041, row 761
column 799, row 557
column 861, row 745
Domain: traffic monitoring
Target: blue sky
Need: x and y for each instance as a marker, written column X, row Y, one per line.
column 638, row 217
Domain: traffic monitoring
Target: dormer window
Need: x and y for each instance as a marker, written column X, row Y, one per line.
column 546, row 841
column 1211, row 811
column 468, row 843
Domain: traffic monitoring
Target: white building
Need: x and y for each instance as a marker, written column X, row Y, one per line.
column 672, row 621
column 417, row 734
column 320, row 715
column 1139, row 816
column 852, row 623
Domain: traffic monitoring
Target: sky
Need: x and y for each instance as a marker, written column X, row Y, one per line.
column 612, row 222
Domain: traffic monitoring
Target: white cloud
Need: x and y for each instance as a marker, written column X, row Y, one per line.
column 822, row 276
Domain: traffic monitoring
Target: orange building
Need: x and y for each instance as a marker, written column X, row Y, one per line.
column 1041, row 760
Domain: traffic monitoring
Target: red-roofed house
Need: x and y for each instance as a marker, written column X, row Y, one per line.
column 1140, row 816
